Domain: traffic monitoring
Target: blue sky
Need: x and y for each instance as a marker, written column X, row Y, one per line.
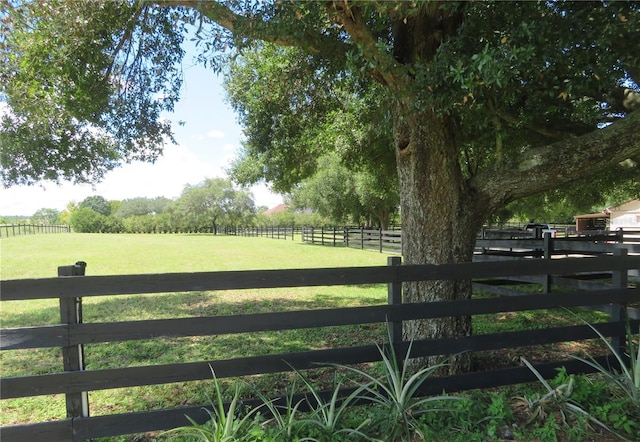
column 208, row 141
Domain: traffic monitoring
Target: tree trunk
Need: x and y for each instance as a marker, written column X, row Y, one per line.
column 440, row 221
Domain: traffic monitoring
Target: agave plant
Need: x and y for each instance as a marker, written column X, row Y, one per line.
column 327, row 416
column 223, row 425
column 395, row 393
column 284, row 418
column 627, row 381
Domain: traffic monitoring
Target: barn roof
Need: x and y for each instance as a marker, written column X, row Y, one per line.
column 276, row 209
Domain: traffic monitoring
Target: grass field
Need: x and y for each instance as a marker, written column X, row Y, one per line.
column 39, row 256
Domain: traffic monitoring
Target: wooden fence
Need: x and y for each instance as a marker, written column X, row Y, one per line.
column 278, row 232
column 7, row 230
column 357, row 237
column 73, row 334
column 504, row 244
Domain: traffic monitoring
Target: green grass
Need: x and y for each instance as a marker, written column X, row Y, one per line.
column 39, row 256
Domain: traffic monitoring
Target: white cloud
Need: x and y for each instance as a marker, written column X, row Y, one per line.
column 229, row 147
column 215, row 134
column 263, row 196
column 225, row 162
column 167, row 177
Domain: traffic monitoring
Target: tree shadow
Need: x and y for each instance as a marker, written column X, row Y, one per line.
column 166, row 350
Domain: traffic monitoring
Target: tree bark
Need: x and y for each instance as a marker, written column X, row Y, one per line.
column 440, row 220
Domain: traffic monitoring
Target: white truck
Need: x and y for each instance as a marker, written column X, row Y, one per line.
column 538, row 230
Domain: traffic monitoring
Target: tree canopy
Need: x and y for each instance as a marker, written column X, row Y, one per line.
column 215, row 201
column 96, row 203
column 46, row 216
column 85, row 84
column 345, row 196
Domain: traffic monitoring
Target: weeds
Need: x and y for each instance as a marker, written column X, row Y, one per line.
column 558, row 402
column 283, row 418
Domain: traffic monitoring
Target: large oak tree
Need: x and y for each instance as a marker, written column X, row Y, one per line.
column 488, row 101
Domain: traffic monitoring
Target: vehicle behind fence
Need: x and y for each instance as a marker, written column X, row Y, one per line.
column 74, row 333
column 7, row 230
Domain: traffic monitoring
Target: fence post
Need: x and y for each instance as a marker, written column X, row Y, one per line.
column 73, row 355
column 547, row 253
column 361, row 237
column 394, row 296
column 619, row 280
column 380, row 238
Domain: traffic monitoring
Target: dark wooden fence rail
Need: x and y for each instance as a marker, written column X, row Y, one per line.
column 7, row 230
column 514, row 243
column 389, row 241
column 279, row 232
column 77, row 383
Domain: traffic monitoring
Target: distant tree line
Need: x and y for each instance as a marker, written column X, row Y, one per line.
column 202, row 208
column 333, row 197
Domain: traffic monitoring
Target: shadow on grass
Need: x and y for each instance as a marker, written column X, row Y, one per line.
column 191, row 304
column 194, row 348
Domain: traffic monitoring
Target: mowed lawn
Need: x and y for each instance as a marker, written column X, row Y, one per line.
column 38, row 256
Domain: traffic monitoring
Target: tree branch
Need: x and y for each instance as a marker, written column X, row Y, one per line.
column 249, row 27
column 384, row 65
column 559, row 163
column 554, row 134
column 623, row 100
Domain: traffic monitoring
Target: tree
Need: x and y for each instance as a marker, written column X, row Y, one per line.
column 86, row 220
column 80, row 102
column 489, row 102
column 46, row 216
column 241, row 209
column 214, row 201
column 330, row 192
column 96, row 203
column 141, row 206
column 346, row 196
column 329, row 132
column 65, row 216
